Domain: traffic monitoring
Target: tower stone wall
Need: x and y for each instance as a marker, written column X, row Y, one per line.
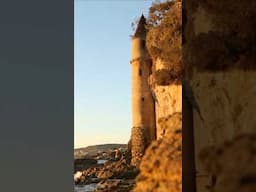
column 143, row 105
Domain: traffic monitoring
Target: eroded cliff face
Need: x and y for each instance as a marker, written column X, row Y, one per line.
column 230, row 96
column 169, row 102
column 219, row 62
column 168, row 96
column 232, row 164
column 226, row 101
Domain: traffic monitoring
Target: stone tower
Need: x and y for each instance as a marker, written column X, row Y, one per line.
column 143, row 105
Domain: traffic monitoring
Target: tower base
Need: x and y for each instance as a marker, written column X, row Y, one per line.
column 139, row 142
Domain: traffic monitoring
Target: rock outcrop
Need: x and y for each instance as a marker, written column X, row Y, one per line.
column 113, row 175
column 160, row 169
column 80, row 164
column 117, row 169
column 116, row 185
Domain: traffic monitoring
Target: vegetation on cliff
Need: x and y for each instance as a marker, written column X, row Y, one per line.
column 164, row 25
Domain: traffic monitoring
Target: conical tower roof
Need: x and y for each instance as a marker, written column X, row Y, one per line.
column 141, row 30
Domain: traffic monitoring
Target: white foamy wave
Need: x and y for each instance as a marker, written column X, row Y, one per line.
column 77, row 175
column 101, row 161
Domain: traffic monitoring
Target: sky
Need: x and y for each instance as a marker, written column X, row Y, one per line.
column 102, row 51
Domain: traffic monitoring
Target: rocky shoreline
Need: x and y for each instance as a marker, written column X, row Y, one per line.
column 106, row 172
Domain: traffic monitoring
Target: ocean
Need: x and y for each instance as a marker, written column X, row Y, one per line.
column 85, row 188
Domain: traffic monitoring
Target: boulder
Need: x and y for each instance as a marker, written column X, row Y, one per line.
column 161, row 166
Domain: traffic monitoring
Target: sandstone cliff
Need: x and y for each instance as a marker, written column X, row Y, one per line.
column 219, row 62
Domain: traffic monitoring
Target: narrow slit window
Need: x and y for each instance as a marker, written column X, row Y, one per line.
column 142, row 98
column 143, row 44
column 140, row 72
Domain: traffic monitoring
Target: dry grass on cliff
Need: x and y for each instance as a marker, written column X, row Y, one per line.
column 164, row 34
column 166, row 77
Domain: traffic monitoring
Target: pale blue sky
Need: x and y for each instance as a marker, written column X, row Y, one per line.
column 102, row 52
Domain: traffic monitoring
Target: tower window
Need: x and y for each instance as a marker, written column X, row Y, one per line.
column 140, row 72
column 142, row 98
column 143, row 44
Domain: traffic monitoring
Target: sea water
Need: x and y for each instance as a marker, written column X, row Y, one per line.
column 89, row 187
column 85, row 188
column 101, row 161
